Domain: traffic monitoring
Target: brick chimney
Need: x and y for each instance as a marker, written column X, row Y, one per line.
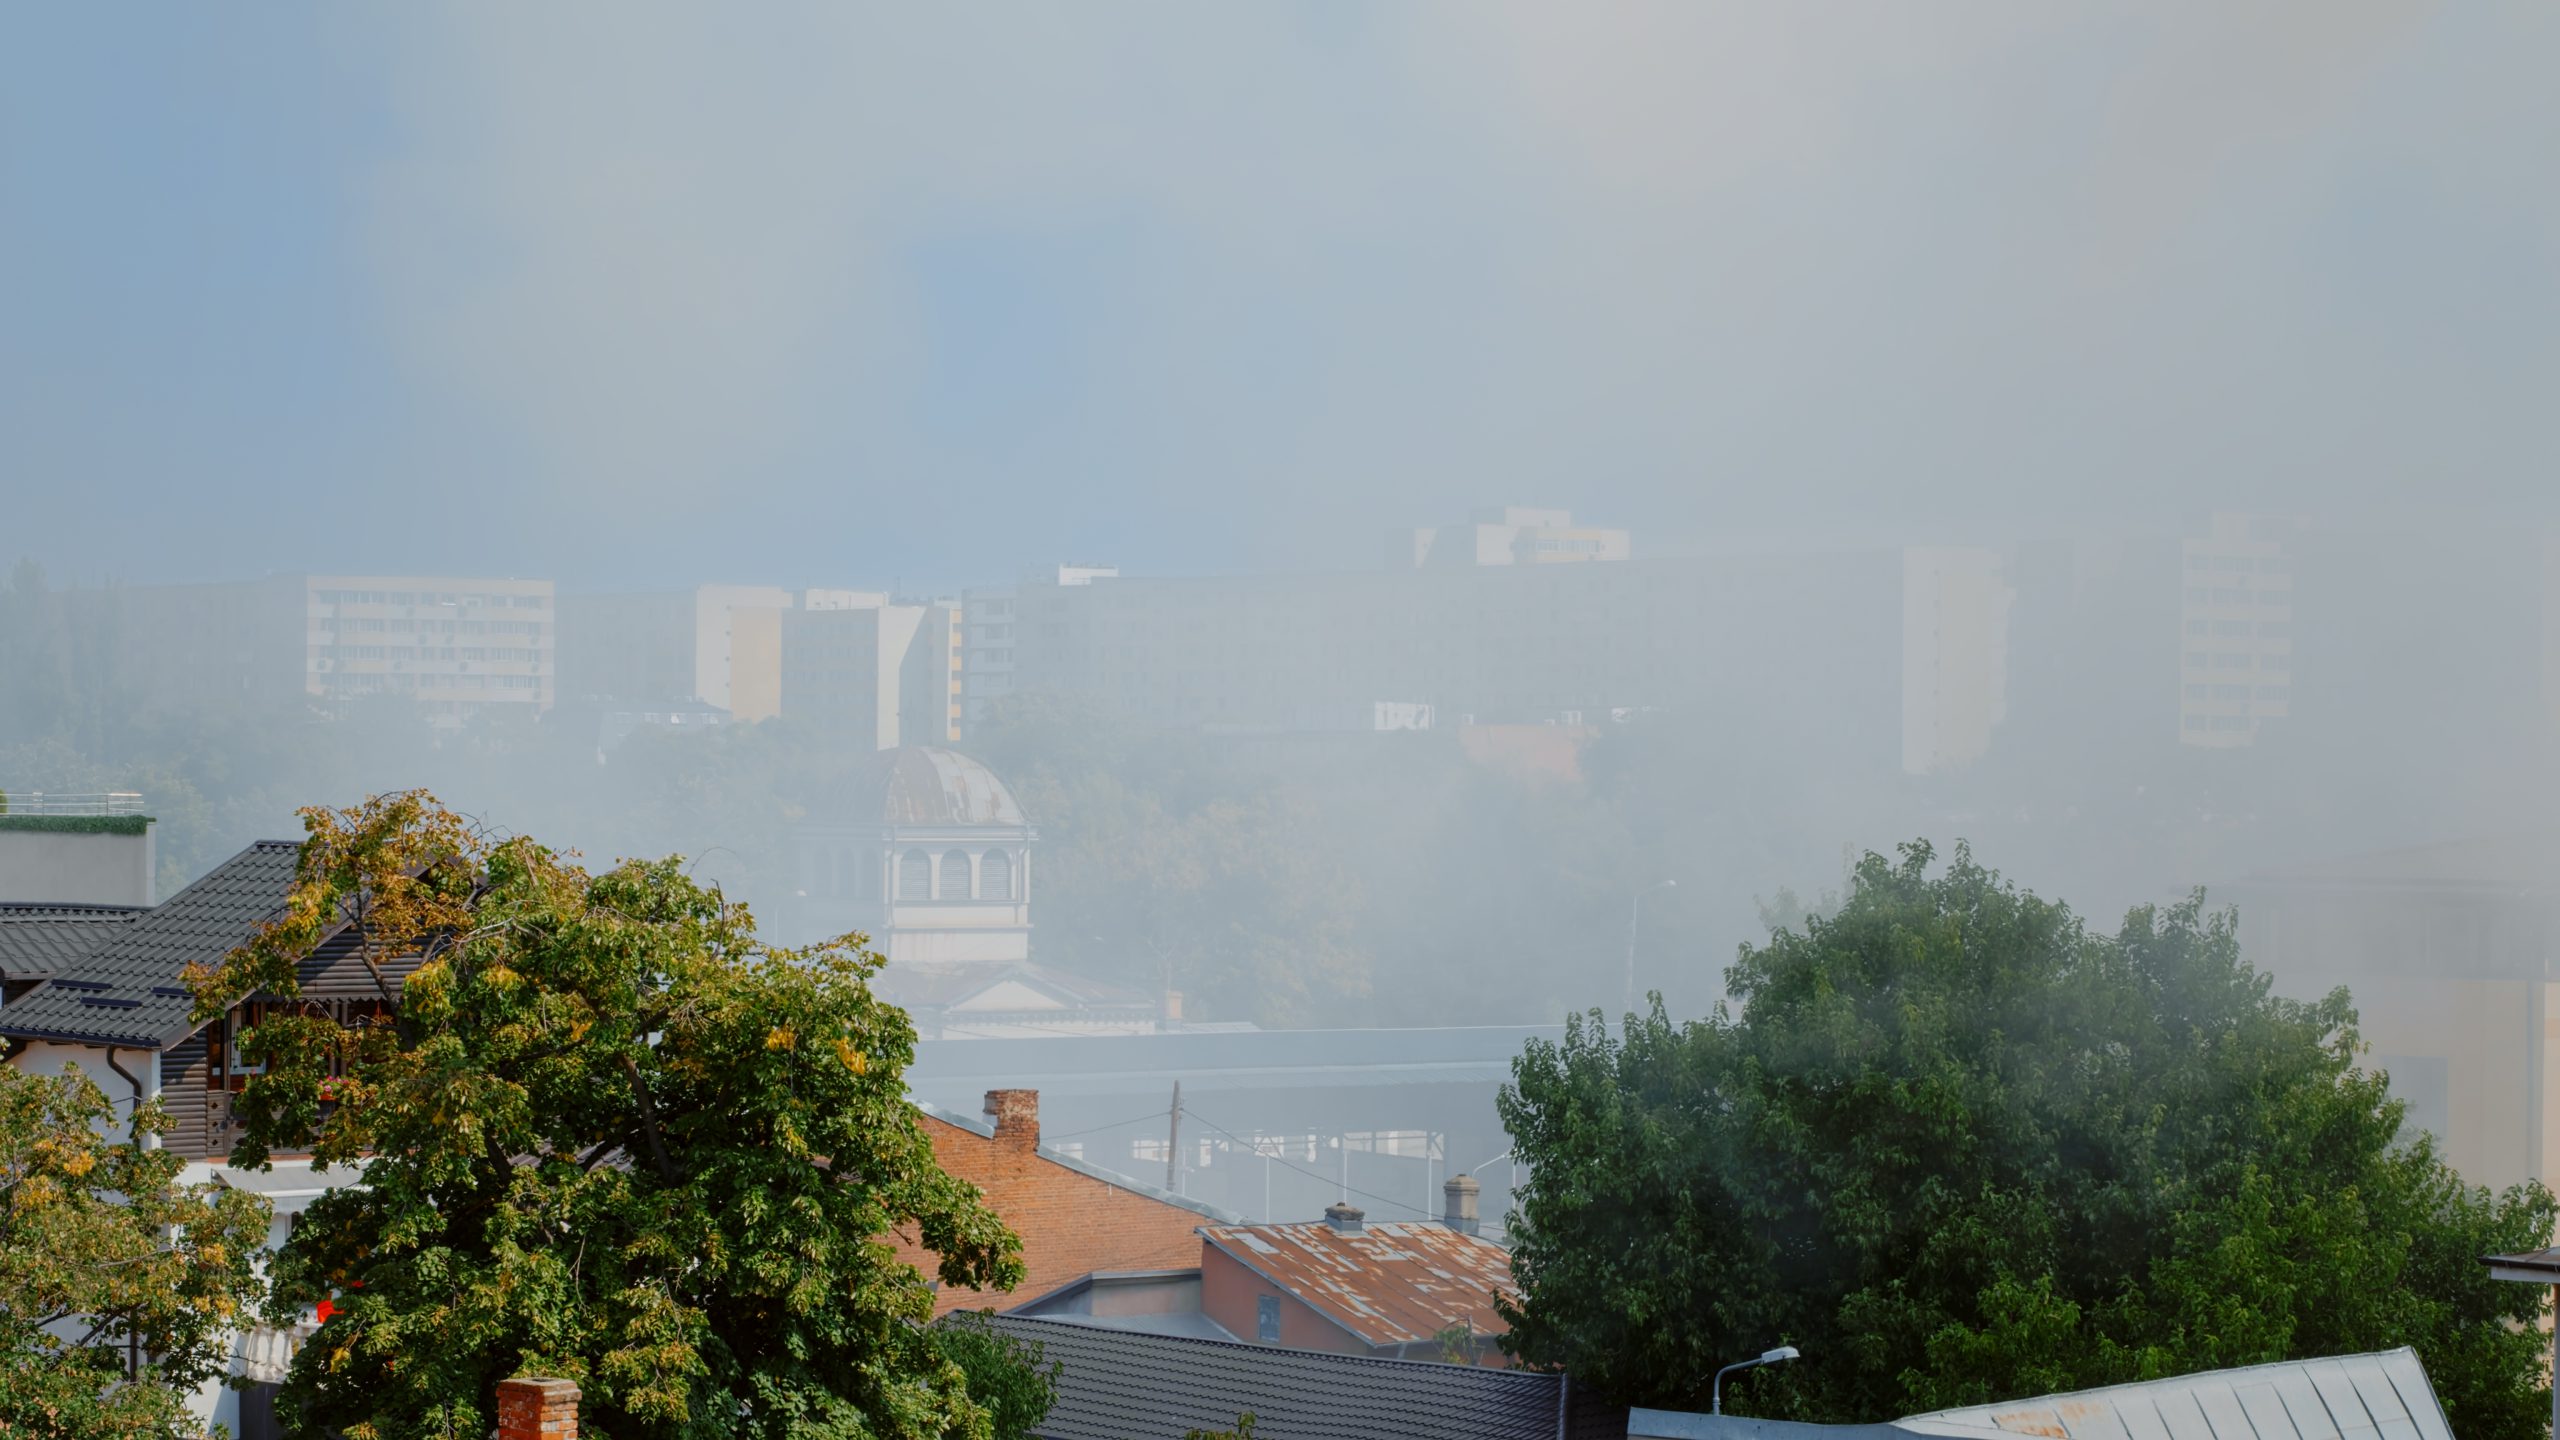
column 1345, row 1219
column 1458, row 1211
column 1017, row 1115
column 531, row 1409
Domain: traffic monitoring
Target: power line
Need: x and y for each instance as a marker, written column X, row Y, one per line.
column 1114, row 1125
column 1310, row 1174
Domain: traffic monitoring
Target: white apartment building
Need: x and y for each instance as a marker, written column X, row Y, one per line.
column 456, row 645
column 2236, row 630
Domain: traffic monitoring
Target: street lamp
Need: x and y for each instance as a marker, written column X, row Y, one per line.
column 1635, row 906
column 1715, row 1396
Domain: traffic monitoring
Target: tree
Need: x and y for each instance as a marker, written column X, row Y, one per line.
column 1959, row 1148
column 119, row 1287
column 611, row 1137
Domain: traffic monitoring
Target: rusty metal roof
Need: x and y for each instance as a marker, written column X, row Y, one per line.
column 920, row 785
column 1391, row 1283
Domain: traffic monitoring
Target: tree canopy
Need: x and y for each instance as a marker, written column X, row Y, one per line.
column 610, row 1137
column 1958, row 1147
column 119, row 1286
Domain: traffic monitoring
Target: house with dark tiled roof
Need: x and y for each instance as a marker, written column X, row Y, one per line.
column 105, row 988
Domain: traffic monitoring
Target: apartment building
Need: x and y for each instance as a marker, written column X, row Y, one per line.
column 1955, row 655
column 457, row 646
column 2236, row 622
column 884, row 674
column 1544, row 644
column 718, row 644
column 990, row 634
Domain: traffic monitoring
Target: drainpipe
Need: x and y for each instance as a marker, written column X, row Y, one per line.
column 130, row 1079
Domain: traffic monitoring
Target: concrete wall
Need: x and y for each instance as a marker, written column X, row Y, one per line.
column 48, row 866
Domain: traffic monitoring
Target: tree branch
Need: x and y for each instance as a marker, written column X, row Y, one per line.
column 649, row 1120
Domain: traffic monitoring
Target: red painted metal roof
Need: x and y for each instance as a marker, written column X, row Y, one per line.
column 1390, row 1284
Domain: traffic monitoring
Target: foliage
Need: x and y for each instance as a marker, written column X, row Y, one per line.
column 1958, row 1148
column 106, row 1259
column 75, row 824
column 1243, row 1431
column 1014, row 1379
column 613, row 1137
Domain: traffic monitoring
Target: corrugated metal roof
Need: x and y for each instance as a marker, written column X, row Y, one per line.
column 1392, row 1283
column 45, row 939
column 1128, row 1385
column 2345, row 1397
column 131, row 990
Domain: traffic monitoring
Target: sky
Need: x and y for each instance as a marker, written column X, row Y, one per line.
column 932, row 295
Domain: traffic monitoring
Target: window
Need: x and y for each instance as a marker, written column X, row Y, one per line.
column 995, row 875
column 915, row 876
column 955, row 875
column 1266, row 1319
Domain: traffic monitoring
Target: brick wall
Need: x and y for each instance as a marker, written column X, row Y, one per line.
column 1071, row 1223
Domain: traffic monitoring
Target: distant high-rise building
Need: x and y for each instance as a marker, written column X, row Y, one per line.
column 882, row 674
column 990, row 635
column 457, row 646
column 1955, row 656
column 1507, row 535
column 2236, row 624
column 718, row 644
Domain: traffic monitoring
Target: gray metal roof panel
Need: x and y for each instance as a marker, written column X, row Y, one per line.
column 131, row 990
column 2349, row 1396
column 46, row 939
column 1129, row 1385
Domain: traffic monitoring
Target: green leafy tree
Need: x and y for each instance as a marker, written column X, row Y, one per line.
column 1014, row 1379
column 119, row 1287
column 1959, row 1148
column 611, row 1137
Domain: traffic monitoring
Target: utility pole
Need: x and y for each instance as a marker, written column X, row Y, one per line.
column 1635, row 908
column 1173, row 1143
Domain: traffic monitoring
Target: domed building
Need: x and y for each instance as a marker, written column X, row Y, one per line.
column 926, row 853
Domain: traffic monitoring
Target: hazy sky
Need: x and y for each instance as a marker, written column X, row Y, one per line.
column 935, row 293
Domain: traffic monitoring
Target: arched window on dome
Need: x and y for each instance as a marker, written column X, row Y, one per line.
column 955, row 875
column 995, row 875
column 915, row 876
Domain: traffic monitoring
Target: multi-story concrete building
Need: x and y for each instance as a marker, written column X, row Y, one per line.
column 1955, row 655
column 2236, row 620
column 456, row 646
column 1550, row 644
column 882, row 675
column 990, row 634
column 1507, row 535
column 718, row 644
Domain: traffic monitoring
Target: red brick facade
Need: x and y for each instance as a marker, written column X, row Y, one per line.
column 1071, row 1223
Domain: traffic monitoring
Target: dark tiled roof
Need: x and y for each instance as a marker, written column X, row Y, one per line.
column 1126, row 1385
column 130, row 991
column 40, row 940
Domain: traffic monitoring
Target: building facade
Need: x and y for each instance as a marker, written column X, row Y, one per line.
column 927, row 854
column 1508, row 535
column 456, row 646
column 718, row 644
column 2236, row 627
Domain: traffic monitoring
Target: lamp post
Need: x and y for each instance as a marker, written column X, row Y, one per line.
column 1715, row 1396
column 1635, row 907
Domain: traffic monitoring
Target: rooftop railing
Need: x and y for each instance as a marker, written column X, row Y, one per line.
column 64, row 802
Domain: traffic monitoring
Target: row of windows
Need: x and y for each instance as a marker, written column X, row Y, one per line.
column 369, row 625
column 2232, row 595
column 2237, row 660
column 2218, row 722
column 2264, row 564
column 430, row 597
column 502, row 654
column 365, row 684
column 2239, row 692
